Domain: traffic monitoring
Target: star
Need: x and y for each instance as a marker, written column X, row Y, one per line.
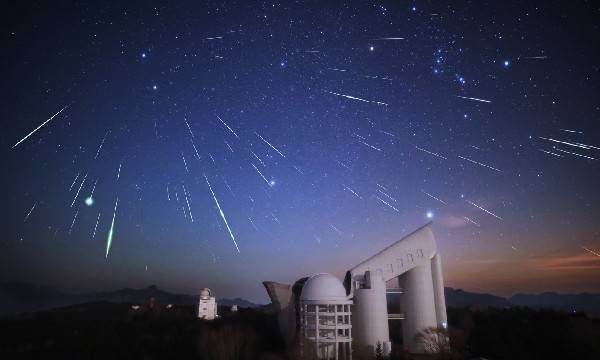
column 144, row 55
column 154, row 87
column 506, row 63
column 89, row 201
column 429, row 214
column 371, row 48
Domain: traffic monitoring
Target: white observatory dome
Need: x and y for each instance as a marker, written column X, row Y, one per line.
column 205, row 293
column 323, row 289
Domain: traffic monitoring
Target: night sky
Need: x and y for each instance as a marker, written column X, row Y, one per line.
column 307, row 134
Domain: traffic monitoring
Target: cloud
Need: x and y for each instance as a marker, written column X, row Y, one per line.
column 452, row 221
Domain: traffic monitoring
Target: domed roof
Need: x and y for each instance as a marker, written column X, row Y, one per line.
column 324, row 289
column 204, row 293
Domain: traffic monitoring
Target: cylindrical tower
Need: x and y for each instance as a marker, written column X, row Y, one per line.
column 370, row 316
column 418, row 305
column 438, row 291
column 325, row 318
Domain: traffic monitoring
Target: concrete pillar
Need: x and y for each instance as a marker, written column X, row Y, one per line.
column 438, row 291
column 418, row 305
column 369, row 315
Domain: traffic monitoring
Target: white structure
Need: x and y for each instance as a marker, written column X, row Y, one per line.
column 412, row 263
column 234, row 308
column 416, row 266
column 207, row 306
column 325, row 318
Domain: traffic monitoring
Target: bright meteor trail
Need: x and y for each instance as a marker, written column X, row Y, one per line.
column 112, row 226
column 475, row 99
column 222, row 214
column 39, row 127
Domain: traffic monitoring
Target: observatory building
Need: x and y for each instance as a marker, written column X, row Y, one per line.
column 322, row 315
column 207, row 306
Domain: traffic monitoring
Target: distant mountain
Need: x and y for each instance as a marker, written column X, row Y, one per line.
column 461, row 298
column 19, row 297
column 585, row 302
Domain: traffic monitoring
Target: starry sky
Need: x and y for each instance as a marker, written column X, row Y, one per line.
column 221, row 144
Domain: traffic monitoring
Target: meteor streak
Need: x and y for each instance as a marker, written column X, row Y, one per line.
column 101, row 143
column 271, row 146
column 357, row 98
column 352, row 191
column 222, row 214
column 257, row 158
column 433, row 197
column 74, row 181
column 431, row 153
column 386, row 195
column 227, row 126
column 579, row 145
column 39, row 127
column 111, row 231
column 388, row 204
column 30, row 211
column 550, row 152
column 480, row 164
column 576, row 154
column 261, row 175
column 96, row 226
column 390, row 38
column 486, row 211
column 73, row 222
column 474, row 99
column 119, row 172
column 572, row 131
column 590, row 251
column 78, row 190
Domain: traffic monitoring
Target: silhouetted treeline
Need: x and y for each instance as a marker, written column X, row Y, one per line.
column 116, row 331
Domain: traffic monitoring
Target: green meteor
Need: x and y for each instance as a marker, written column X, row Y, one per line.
column 110, row 232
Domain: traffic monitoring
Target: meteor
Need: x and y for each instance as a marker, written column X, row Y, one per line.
column 222, row 214
column 111, row 231
column 261, row 175
column 386, row 195
column 73, row 222
column 74, row 181
column 579, row 145
column 388, row 204
column 486, row 211
column 78, row 190
column 101, row 143
column 352, row 191
column 550, row 152
column 119, row 172
column 572, row 131
column 227, row 126
column 390, row 38
column 369, row 145
column 474, row 99
column 433, row 197
column 96, row 227
column 576, row 154
column 480, row 164
column 30, row 211
column 271, row 146
column 590, row 251
column 357, row 98
column 257, row 158
column 431, row 153
column 39, row 127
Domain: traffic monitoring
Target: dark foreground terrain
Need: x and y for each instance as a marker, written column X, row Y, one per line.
column 116, row 331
